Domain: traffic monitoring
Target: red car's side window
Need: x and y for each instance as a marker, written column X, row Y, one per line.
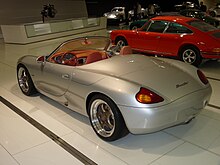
column 177, row 28
column 158, row 26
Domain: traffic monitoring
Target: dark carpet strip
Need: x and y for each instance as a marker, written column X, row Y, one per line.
column 211, row 78
column 214, row 106
column 77, row 154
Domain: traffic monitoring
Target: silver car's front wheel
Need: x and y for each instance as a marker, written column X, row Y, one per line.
column 24, row 81
column 106, row 118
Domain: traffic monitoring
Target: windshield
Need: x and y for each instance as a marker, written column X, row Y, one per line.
column 84, row 43
column 205, row 27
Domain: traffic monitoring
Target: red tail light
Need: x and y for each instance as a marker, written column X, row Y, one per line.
column 202, row 77
column 146, row 96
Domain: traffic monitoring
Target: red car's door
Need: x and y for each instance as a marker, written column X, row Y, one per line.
column 146, row 41
column 148, row 38
column 169, row 44
column 172, row 39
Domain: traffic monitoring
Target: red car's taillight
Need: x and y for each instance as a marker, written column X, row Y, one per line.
column 202, row 77
column 146, row 96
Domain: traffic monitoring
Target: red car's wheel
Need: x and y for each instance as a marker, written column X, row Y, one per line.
column 190, row 55
column 120, row 42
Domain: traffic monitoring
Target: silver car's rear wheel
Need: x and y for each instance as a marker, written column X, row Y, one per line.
column 24, row 81
column 106, row 118
column 102, row 118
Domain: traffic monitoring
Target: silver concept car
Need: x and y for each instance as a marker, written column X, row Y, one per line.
column 120, row 92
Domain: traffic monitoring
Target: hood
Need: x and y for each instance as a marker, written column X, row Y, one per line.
column 155, row 74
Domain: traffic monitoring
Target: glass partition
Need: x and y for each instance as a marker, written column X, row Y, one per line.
column 38, row 29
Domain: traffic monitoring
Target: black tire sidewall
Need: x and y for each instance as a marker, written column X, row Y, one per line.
column 121, row 39
column 120, row 127
column 212, row 13
column 32, row 89
column 198, row 56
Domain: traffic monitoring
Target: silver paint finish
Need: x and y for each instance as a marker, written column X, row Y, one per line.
column 120, row 78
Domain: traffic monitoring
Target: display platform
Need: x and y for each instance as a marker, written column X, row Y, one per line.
column 38, row 31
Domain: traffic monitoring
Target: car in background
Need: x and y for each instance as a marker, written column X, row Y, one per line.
column 144, row 13
column 186, row 5
column 215, row 11
column 118, row 93
column 195, row 13
column 188, row 39
column 116, row 15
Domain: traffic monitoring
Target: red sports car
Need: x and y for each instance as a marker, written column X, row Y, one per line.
column 188, row 39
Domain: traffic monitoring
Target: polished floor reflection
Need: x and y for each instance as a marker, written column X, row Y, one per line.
column 22, row 144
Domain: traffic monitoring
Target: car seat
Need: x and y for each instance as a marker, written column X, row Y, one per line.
column 125, row 50
column 93, row 57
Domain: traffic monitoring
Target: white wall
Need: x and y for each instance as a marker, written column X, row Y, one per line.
column 23, row 11
column 27, row 11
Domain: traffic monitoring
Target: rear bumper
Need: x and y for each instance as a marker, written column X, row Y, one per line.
column 147, row 120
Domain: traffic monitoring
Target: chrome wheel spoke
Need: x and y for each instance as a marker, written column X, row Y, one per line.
column 23, row 80
column 189, row 56
column 102, row 118
column 120, row 43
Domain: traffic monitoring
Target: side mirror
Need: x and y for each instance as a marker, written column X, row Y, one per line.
column 40, row 59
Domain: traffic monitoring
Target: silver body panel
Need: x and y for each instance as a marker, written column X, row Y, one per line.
column 120, row 78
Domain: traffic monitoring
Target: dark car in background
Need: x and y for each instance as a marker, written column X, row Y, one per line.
column 195, row 13
column 186, row 5
column 214, row 11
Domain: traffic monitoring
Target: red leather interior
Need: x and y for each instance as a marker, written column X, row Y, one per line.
column 93, row 57
column 125, row 50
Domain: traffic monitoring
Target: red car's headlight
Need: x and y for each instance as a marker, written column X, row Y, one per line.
column 146, row 96
column 202, row 77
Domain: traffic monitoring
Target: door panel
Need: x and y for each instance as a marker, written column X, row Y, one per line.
column 149, row 37
column 147, row 41
column 54, row 79
column 169, row 44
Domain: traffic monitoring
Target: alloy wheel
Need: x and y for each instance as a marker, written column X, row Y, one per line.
column 189, row 56
column 102, row 118
column 23, row 79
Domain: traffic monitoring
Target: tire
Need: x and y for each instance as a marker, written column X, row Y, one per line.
column 24, row 81
column 106, row 119
column 190, row 55
column 212, row 13
column 120, row 42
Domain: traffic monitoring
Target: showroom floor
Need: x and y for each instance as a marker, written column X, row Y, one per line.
column 22, row 143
